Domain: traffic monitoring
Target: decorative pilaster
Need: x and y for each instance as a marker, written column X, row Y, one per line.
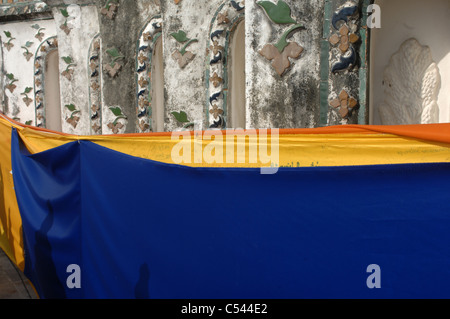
column 225, row 20
column 344, row 63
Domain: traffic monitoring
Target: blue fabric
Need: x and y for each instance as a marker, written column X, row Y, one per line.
column 151, row 230
column 47, row 188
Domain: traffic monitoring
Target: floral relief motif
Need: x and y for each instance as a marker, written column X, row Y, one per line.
column 115, row 126
column 27, row 54
column 65, row 27
column 143, row 126
column 113, row 68
column 110, row 9
column 280, row 52
column 27, row 100
column 345, row 38
column 74, row 117
column 11, row 86
column 8, row 45
column 68, row 72
column 39, row 35
column 215, row 111
column 222, row 18
column 345, row 104
column 280, row 61
column 216, row 80
column 183, row 57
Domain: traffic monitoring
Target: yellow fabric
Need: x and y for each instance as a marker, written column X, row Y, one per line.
column 11, row 240
column 348, row 148
column 301, row 150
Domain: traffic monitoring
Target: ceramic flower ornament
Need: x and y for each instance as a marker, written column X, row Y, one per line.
column 27, row 54
column 8, row 45
column 280, row 52
column 27, row 100
column 110, row 9
column 39, row 35
column 113, row 68
column 73, row 119
column 11, row 86
column 116, row 126
column 68, row 72
column 183, row 57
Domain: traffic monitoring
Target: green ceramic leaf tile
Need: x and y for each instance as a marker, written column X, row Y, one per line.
column 70, row 107
column 180, row 36
column 64, row 13
column 278, row 13
column 67, row 59
column 180, row 117
column 116, row 111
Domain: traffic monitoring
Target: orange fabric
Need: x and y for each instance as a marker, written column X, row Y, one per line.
column 430, row 132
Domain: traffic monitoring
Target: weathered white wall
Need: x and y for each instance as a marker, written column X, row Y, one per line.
column 15, row 62
column 84, row 26
column 291, row 100
column 185, row 88
column 429, row 23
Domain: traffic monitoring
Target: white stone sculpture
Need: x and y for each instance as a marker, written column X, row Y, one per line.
column 411, row 87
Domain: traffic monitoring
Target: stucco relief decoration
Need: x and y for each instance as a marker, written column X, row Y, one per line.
column 227, row 17
column 24, row 8
column 411, row 86
column 39, row 34
column 95, row 85
column 183, row 56
column 147, row 40
column 8, row 44
column 110, row 9
column 113, row 68
column 73, row 118
column 26, row 99
column 68, row 72
column 10, row 82
column 345, row 25
column 65, row 27
column 344, row 104
column 43, row 50
column 117, row 124
column 280, row 52
column 27, row 54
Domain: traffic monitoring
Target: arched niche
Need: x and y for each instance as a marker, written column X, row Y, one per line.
column 146, row 84
column 47, row 95
column 237, row 107
column 226, row 19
